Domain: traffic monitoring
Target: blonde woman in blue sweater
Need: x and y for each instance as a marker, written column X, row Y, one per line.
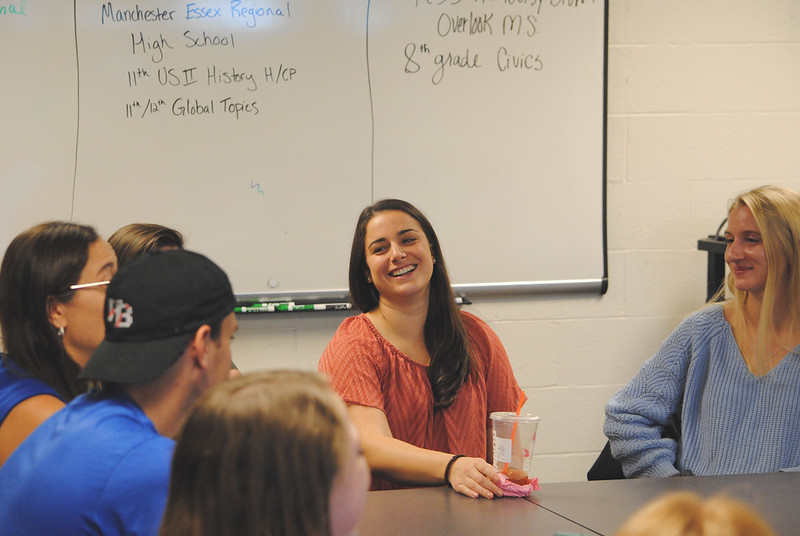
column 732, row 370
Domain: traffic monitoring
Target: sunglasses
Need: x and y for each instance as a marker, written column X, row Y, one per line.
column 85, row 285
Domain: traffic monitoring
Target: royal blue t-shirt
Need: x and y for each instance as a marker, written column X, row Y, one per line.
column 98, row 466
column 16, row 387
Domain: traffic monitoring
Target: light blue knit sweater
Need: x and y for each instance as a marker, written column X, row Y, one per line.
column 732, row 422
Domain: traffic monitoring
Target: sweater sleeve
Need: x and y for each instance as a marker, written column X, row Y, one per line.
column 637, row 414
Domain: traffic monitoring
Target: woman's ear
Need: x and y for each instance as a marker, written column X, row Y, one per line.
column 55, row 313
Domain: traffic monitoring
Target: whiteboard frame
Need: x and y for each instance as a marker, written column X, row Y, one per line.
column 496, row 289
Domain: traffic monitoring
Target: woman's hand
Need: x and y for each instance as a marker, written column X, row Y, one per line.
column 408, row 464
column 474, row 477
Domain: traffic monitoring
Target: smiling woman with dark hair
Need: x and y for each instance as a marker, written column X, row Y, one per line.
column 420, row 377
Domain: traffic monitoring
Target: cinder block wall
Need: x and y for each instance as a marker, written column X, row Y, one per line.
column 703, row 103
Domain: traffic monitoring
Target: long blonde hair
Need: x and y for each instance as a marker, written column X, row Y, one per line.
column 686, row 514
column 777, row 213
column 258, row 456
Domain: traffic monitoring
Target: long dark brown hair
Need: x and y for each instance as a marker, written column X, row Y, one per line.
column 39, row 265
column 445, row 336
column 258, row 456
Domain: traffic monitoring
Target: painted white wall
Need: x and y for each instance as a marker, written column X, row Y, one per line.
column 703, row 103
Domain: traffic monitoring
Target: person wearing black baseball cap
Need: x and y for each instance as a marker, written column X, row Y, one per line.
column 101, row 465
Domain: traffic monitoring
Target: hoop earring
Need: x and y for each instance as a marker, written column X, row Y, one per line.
column 61, row 332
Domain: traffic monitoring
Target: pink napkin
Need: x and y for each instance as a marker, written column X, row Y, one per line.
column 511, row 489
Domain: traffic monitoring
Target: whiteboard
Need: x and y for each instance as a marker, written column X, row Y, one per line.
column 261, row 129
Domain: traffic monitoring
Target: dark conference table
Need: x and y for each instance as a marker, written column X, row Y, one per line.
column 602, row 506
column 589, row 508
column 443, row 512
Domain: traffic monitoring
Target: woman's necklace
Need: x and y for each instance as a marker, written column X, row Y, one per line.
column 778, row 345
column 775, row 348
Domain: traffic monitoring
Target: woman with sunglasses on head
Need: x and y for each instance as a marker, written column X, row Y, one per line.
column 420, row 377
column 52, row 291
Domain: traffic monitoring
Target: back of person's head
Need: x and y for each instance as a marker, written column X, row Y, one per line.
column 133, row 239
column 777, row 212
column 154, row 307
column 39, row 265
column 687, row 514
column 260, row 455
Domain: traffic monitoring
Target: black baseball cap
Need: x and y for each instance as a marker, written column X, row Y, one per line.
column 154, row 305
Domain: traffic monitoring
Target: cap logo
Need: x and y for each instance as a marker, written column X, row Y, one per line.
column 120, row 314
